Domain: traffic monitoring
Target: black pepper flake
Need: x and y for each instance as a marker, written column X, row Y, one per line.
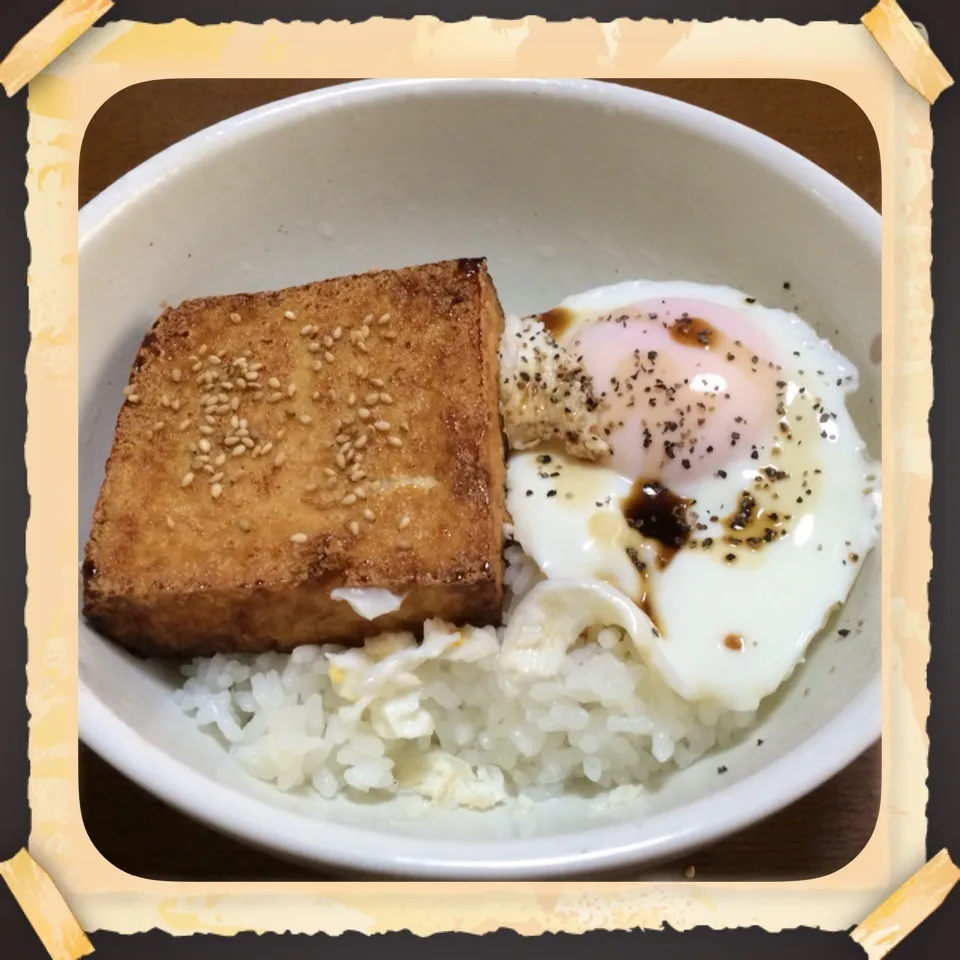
column 721, row 770
column 685, row 464
column 529, row 493
column 844, row 633
column 759, row 743
column 551, row 493
column 722, row 474
column 730, row 557
column 751, row 299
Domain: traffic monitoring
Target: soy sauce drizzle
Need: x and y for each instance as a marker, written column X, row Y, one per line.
column 693, row 332
column 658, row 514
column 557, row 321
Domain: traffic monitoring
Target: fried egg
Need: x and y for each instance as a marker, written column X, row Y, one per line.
column 737, row 500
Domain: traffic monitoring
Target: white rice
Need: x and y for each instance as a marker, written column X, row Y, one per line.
column 434, row 718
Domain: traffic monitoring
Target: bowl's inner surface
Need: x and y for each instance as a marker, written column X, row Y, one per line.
column 560, row 194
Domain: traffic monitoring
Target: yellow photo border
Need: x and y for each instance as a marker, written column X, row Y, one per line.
column 62, row 100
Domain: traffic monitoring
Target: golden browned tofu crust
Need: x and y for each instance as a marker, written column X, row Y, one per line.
column 276, row 446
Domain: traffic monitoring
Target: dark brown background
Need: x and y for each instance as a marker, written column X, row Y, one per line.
column 817, row 835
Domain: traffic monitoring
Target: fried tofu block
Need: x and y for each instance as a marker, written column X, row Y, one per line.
column 276, row 447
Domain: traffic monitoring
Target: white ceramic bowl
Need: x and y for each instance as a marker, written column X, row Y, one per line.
column 563, row 185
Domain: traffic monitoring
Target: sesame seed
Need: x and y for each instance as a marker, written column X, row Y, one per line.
column 317, row 366
column 290, row 315
column 313, row 347
column 244, row 524
column 386, row 398
column 234, row 403
column 361, row 441
column 305, row 418
column 234, row 317
column 187, row 480
column 384, row 319
column 177, row 375
column 220, row 460
column 133, row 398
column 299, row 538
column 266, row 448
column 202, row 350
column 354, row 528
column 329, row 357
column 252, row 375
column 275, row 397
column 404, row 426
column 204, row 445
column 338, row 333
column 361, row 492
column 311, row 487
column 371, row 398
column 341, row 461
column 349, row 500
column 231, row 441
column 210, row 419
column 214, row 360
column 292, row 390
column 280, row 434
column 362, row 347
column 382, row 425
column 205, row 429
column 395, row 441
column 389, row 334
column 216, row 477
column 170, row 523
column 247, row 442
column 307, row 330
column 363, row 413
column 328, row 341
column 274, row 382
column 404, row 522
column 238, row 451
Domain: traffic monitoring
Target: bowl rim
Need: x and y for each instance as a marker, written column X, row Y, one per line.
column 299, row 837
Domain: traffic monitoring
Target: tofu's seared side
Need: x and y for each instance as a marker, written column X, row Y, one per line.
column 276, row 446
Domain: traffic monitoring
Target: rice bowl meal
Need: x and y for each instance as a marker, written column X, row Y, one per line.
column 558, row 567
column 520, row 554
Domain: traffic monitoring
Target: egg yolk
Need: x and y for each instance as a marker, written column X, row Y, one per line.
column 685, row 387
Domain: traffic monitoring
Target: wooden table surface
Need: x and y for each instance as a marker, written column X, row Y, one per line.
column 813, row 837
